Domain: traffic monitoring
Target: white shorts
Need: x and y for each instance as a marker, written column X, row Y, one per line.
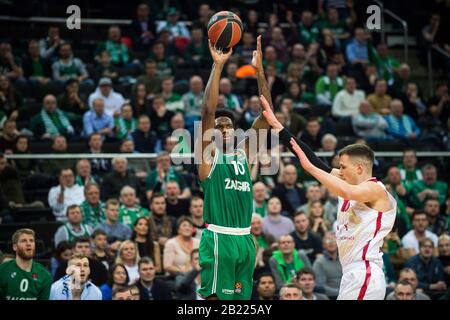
column 362, row 281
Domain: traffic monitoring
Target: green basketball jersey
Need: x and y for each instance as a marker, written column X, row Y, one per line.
column 17, row 284
column 228, row 191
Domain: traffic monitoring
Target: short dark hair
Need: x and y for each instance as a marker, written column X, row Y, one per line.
column 416, row 213
column 156, row 195
column 98, row 232
column 224, row 113
column 71, row 207
column 299, row 213
column 184, row 219
column 424, row 241
column 81, row 239
column 112, row 202
column 306, row 271
column 145, row 260
column 359, row 151
column 262, row 275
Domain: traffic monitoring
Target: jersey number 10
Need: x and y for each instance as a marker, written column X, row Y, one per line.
column 238, row 167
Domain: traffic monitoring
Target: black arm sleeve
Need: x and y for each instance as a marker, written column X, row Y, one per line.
column 285, row 137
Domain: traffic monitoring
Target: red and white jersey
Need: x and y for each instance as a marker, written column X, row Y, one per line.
column 360, row 238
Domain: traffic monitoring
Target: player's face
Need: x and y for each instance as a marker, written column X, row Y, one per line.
column 404, row 293
column 75, row 216
column 129, row 198
column 147, row 272
column 291, row 294
column 307, row 283
column 120, row 276
column 85, row 271
column 266, row 287
column 225, row 126
column 348, row 170
column 25, row 247
column 141, row 227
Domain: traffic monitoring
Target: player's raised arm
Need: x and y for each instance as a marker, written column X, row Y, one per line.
column 286, row 136
column 209, row 108
column 364, row 192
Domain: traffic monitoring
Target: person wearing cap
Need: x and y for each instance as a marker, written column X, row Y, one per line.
column 176, row 28
column 113, row 100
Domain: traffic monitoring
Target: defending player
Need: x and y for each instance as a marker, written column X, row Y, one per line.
column 366, row 212
column 227, row 251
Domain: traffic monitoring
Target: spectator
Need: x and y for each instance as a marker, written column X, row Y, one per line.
column 304, row 239
column 408, row 169
column 252, row 108
column 319, row 225
column 291, row 291
column 53, row 167
column 87, row 291
column 144, row 238
column 246, row 48
column 9, row 136
column 100, row 248
column 157, row 179
column 295, row 122
column 409, row 275
column 275, row 38
column 105, row 69
column 92, row 207
column 84, row 175
column 401, row 126
column 287, row 261
column 74, row 227
column 175, row 205
column 401, row 81
column 259, row 198
column 130, row 210
column 436, row 222
column 270, row 57
column 11, row 101
column 113, row 100
column 172, row 100
column 313, row 193
column 428, row 188
column 98, row 271
column 380, row 100
column 336, row 24
column 164, row 224
column 357, row 51
column 120, row 54
column 306, row 281
column 368, row 124
column 265, row 287
column 186, row 285
column 49, row 46
column 128, row 255
column 290, row 195
column 51, row 121
column 307, row 29
column 328, row 86
column 444, row 255
column 72, row 102
column 65, row 194
column 419, row 232
column 97, row 120
column 160, row 117
column 177, row 250
column 115, row 231
column 348, row 100
column 441, row 101
column 197, row 49
column 117, row 277
column 150, row 80
column 10, row 66
column 177, row 29
column 125, row 124
column 120, row 177
column 62, row 253
column 232, row 101
column 274, row 223
column 193, row 100
column 414, row 106
column 404, row 291
column 265, row 244
column 387, row 65
column 139, row 166
column 99, row 166
column 430, row 272
column 164, row 65
column 196, row 211
column 143, row 30
column 327, row 267
column 68, row 67
column 126, row 293
column 145, row 139
column 150, row 287
column 313, row 134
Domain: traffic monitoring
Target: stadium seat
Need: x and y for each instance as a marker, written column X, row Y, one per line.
column 45, row 231
column 32, row 215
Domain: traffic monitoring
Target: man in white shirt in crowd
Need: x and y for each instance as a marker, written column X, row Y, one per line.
column 411, row 240
column 347, row 100
column 113, row 100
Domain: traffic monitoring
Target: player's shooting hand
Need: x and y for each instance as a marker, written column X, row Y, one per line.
column 269, row 115
column 218, row 56
column 257, row 55
column 306, row 164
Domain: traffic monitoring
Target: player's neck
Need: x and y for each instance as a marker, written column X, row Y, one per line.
column 24, row 264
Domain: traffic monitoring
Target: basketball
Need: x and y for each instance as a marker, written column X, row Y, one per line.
column 224, row 29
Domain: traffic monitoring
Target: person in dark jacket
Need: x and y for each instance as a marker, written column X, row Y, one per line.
column 186, row 284
column 144, row 139
column 290, row 195
column 120, row 177
column 143, row 28
column 151, row 288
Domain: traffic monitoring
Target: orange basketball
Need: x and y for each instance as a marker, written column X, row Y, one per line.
column 224, row 29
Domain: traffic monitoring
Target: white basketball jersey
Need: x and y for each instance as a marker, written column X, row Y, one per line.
column 360, row 238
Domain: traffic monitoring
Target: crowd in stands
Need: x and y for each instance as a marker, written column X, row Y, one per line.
column 138, row 222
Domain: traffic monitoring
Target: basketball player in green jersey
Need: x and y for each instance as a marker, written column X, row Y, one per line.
column 227, row 250
column 22, row 278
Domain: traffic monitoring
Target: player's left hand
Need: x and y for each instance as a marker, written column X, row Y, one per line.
column 306, row 164
column 257, row 55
